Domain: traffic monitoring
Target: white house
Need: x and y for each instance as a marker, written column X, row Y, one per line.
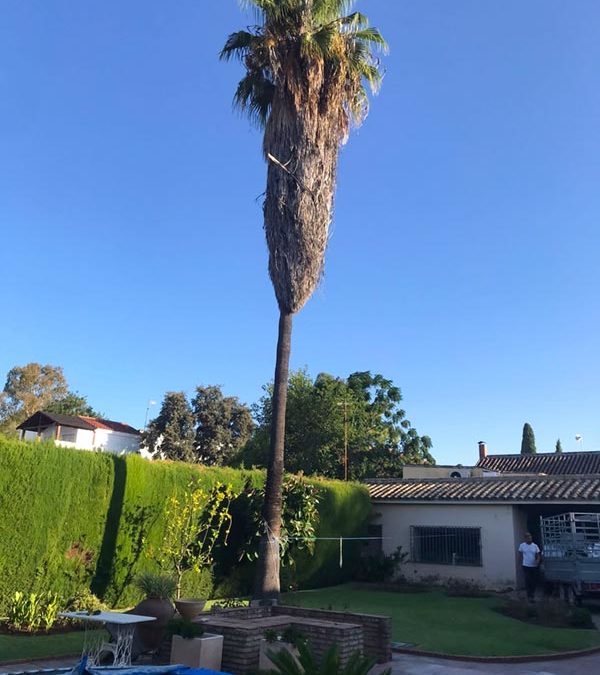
column 85, row 433
column 467, row 522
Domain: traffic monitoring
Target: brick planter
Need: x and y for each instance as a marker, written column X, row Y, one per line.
column 243, row 630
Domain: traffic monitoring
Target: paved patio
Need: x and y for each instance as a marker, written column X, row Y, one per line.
column 405, row 664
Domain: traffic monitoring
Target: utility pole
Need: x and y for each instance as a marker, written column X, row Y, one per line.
column 345, row 404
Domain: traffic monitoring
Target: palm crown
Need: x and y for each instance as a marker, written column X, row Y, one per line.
column 295, row 36
column 308, row 64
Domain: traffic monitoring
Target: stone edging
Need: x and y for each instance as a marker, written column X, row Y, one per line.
column 498, row 659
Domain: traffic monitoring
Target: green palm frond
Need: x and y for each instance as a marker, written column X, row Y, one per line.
column 238, row 44
column 306, row 663
column 329, row 10
column 254, row 96
column 289, row 42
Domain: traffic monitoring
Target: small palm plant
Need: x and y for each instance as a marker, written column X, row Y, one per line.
column 307, row 664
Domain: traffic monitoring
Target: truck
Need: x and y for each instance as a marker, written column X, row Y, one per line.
column 571, row 552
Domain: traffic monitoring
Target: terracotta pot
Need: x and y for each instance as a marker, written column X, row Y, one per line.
column 189, row 608
column 152, row 632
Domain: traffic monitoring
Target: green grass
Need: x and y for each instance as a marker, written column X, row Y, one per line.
column 434, row 622
column 16, row 647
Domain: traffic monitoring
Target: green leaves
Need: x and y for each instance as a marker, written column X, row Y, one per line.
column 292, row 40
column 307, row 663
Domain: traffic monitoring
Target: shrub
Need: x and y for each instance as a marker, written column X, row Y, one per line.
column 381, row 567
column 551, row 613
column 85, row 601
column 464, row 588
column 185, row 628
column 307, row 664
column 32, row 611
column 75, row 521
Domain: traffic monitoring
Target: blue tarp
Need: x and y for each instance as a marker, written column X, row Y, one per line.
column 83, row 669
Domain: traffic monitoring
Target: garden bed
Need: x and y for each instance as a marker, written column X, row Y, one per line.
column 453, row 625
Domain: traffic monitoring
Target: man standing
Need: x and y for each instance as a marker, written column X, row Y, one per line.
column 530, row 557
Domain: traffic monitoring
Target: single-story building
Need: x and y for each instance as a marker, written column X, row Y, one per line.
column 78, row 431
column 470, row 527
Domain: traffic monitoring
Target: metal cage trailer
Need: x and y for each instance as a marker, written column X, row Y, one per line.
column 571, row 551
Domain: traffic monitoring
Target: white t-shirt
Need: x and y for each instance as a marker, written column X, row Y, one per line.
column 529, row 552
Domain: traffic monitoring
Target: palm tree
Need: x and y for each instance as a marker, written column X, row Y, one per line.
column 306, row 66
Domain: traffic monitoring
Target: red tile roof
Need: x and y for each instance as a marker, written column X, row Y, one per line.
column 550, row 463
column 41, row 420
column 507, row 489
column 110, row 425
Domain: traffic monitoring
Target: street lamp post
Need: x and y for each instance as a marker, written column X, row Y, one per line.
column 147, row 411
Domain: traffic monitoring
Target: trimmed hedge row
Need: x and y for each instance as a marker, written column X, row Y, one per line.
column 72, row 519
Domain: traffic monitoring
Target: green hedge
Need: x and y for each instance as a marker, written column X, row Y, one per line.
column 53, row 505
column 72, row 519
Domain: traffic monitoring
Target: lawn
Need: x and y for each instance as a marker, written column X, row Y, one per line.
column 434, row 622
column 16, row 647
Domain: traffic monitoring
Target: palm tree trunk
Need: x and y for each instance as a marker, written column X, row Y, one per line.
column 267, row 572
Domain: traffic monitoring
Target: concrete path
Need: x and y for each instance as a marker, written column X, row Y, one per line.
column 38, row 665
column 405, row 664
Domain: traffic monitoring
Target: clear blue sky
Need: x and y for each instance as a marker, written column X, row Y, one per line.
column 464, row 257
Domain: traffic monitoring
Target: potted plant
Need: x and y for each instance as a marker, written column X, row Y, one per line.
column 158, row 589
column 196, row 520
column 273, row 642
column 192, row 647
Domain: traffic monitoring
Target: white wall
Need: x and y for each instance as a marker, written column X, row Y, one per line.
column 115, row 441
column 498, row 551
column 86, row 439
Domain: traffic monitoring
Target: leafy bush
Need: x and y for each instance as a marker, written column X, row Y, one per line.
column 32, row 611
column 228, row 603
column 381, row 567
column 552, row 613
column 307, row 664
column 464, row 588
column 85, row 601
column 185, row 628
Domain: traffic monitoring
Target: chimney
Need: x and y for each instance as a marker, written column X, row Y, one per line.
column 482, row 450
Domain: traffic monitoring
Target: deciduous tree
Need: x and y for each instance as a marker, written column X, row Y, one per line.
column 322, row 413
column 73, row 404
column 28, row 389
column 223, row 426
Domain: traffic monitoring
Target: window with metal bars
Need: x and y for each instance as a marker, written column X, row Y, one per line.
column 446, row 545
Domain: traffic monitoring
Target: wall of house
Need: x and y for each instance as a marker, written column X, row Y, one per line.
column 114, row 441
column 87, row 439
column 426, row 471
column 498, row 536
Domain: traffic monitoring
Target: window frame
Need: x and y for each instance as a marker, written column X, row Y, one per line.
column 416, row 553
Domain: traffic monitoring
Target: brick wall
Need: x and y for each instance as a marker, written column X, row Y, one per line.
column 376, row 629
column 243, row 629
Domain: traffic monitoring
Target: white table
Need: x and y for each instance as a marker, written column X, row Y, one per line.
column 124, row 627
